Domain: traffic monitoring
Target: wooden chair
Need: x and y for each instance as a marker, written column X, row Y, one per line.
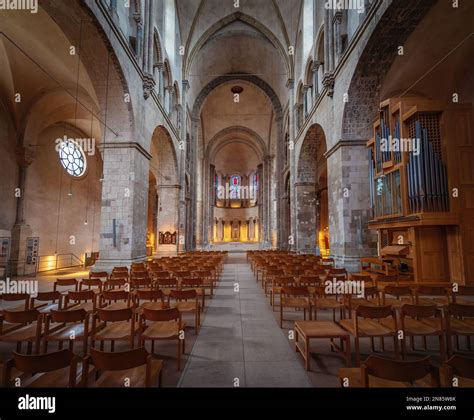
column 459, row 322
column 158, row 325
column 96, row 285
column 423, row 321
column 22, row 327
column 207, row 278
column 197, row 284
column 296, row 298
column 458, row 371
column 67, row 283
column 133, row 368
column 151, row 299
column 429, row 295
column 86, row 300
column 47, row 301
column 67, row 327
column 277, row 283
column 187, row 301
column 43, row 371
column 322, row 301
column 268, row 277
column 397, row 296
column 370, row 326
column 378, row 372
column 166, row 285
column 114, row 325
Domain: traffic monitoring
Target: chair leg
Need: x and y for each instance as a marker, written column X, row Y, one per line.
column 395, row 347
column 281, row 315
column 382, row 343
column 357, row 350
column 179, row 354
column 425, row 344
column 442, row 347
column 372, row 344
column 404, row 348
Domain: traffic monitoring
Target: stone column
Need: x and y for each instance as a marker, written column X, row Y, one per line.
column 337, row 34
column 21, row 230
column 349, row 204
column 315, row 69
column 124, row 205
column 292, row 163
column 306, row 217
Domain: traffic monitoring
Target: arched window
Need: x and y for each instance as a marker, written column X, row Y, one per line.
column 235, row 184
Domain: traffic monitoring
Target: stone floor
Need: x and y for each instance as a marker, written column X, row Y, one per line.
column 240, row 342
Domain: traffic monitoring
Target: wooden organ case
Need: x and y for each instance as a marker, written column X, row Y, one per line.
column 422, row 189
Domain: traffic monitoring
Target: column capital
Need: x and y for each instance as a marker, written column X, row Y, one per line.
column 337, row 17
column 25, row 156
column 317, row 64
column 290, row 83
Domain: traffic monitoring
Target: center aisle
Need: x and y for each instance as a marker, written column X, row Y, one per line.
column 240, row 342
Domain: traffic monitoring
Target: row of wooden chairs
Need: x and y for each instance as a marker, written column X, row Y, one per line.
column 381, row 372
column 98, row 369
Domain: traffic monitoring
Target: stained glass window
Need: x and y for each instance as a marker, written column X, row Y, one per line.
column 235, row 184
column 72, row 158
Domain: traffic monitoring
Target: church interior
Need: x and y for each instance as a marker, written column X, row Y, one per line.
column 225, row 193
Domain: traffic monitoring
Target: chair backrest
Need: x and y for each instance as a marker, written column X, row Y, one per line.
column 161, row 274
column 149, row 295
column 167, row 282
column 112, row 283
column 172, row 314
column 115, row 315
column 310, row 281
column 464, row 291
column 43, row 363
column 374, row 312
column 115, row 295
column 393, row 278
column 77, row 315
column 371, row 291
column 140, row 282
column 81, row 296
column 395, row 370
column 21, row 317
column 192, row 282
column 118, row 360
column 431, row 291
column 462, row 311
column 397, row 291
column 47, row 297
column 183, row 294
column 90, row 283
column 283, row 280
column 295, row 291
column 99, row 275
column 66, row 283
column 16, row 297
column 419, row 311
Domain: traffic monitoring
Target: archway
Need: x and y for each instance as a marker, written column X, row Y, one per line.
column 164, row 169
column 312, row 231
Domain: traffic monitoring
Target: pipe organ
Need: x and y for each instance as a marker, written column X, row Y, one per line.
column 418, row 171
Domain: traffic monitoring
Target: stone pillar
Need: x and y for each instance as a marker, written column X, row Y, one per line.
column 306, row 217
column 292, row 163
column 21, row 230
column 349, row 204
column 337, row 34
column 315, row 69
column 125, row 201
